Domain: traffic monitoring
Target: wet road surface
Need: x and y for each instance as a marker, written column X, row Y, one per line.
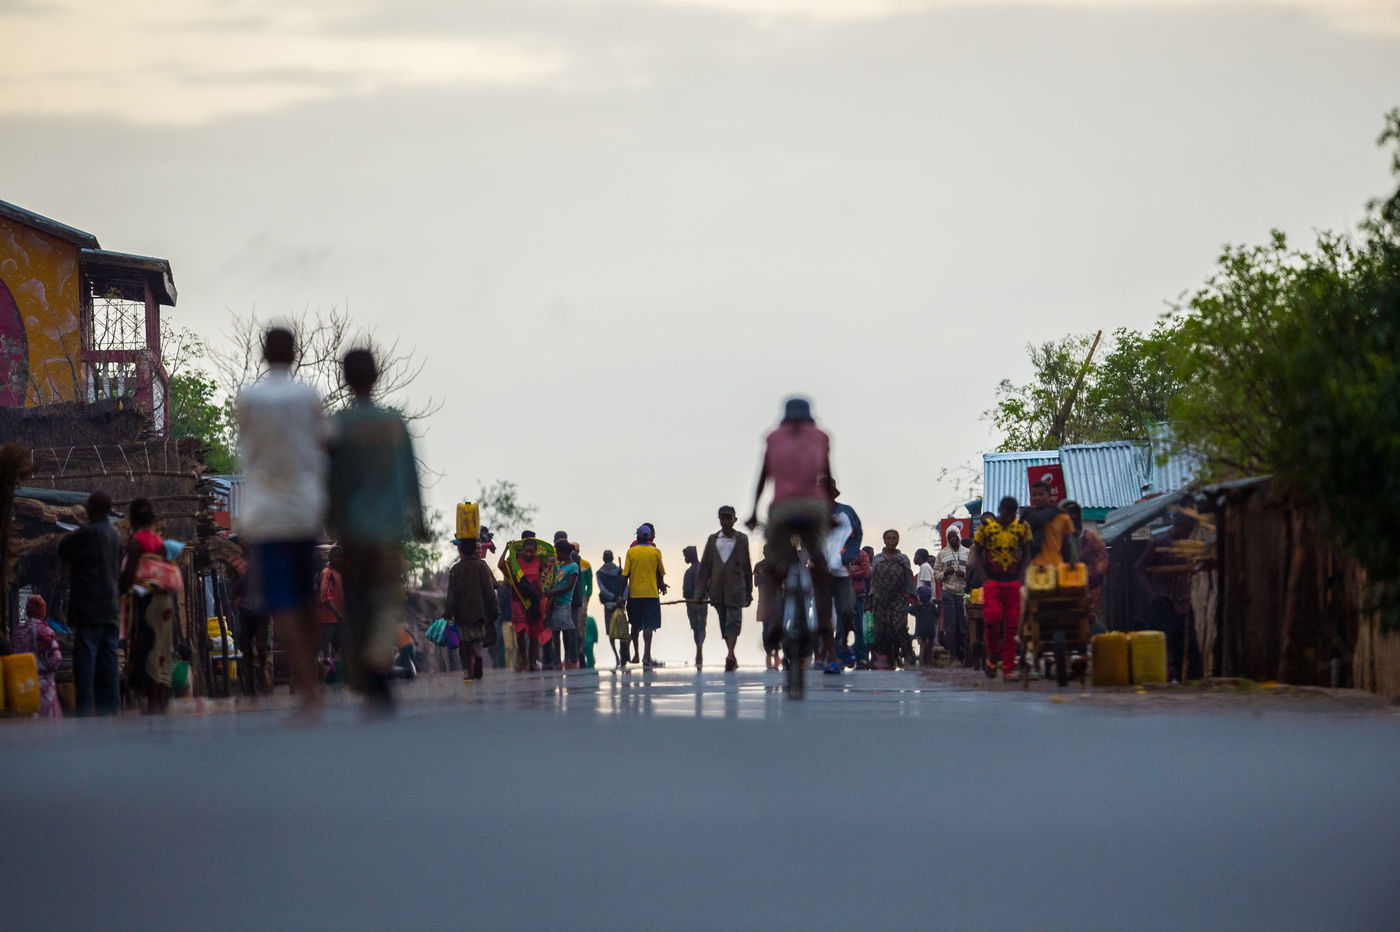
column 671, row 799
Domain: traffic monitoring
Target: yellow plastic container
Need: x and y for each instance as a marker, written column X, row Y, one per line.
column 1147, row 651
column 218, row 644
column 1074, row 577
column 1108, row 659
column 468, row 521
column 217, row 661
column 21, row 684
column 1041, row 578
column 976, row 597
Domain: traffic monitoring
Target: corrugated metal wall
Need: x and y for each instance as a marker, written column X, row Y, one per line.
column 1103, row 475
column 1004, row 474
column 1097, row 475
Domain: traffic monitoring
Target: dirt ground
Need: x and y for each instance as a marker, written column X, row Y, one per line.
column 1215, row 694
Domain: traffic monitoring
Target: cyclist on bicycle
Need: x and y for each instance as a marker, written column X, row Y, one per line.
column 797, row 456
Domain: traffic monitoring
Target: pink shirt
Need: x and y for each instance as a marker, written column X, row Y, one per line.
column 797, row 457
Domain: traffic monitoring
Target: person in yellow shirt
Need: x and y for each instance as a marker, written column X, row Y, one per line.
column 646, row 581
column 1000, row 551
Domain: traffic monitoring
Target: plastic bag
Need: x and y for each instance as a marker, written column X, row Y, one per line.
column 437, row 632
column 869, row 625
column 617, row 624
column 450, row 639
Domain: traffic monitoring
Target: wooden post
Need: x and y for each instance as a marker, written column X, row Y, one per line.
column 15, row 464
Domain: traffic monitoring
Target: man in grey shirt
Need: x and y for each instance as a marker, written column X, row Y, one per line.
column 93, row 554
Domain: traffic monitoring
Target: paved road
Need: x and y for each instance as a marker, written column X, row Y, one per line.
column 671, row 800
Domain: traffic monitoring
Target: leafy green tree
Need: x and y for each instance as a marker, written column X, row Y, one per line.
column 1126, row 389
column 196, row 410
column 1290, row 365
column 1132, row 388
column 502, row 509
column 1025, row 414
column 425, row 557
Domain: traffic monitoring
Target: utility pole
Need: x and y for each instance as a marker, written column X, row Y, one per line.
column 1057, row 430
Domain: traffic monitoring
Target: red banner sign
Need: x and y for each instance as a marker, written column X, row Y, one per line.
column 964, row 526
column 1053, row 476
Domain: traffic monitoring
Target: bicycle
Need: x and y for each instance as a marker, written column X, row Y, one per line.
column 799, row 624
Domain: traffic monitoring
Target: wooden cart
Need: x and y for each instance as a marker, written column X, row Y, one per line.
column 1055, row 631
column 975, row 652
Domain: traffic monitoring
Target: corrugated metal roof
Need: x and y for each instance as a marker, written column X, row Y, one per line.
column 1004, row 474
column 233, row 488
column 1129, row 519
column 1179, row 468
column 1104, row 475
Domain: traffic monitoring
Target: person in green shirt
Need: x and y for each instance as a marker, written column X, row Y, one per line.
column 374, row 508
column 590, row 638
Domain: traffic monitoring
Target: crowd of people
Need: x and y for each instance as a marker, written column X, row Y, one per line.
column 824, row 598
column 352, row 475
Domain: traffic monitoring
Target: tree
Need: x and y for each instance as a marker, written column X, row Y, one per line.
column 501, row 508
column 196, row 406
column 1133, row 386
column 323, row 338
column 196, row 410
column 1127, row 388
column 1290, row 365
column 425, row 557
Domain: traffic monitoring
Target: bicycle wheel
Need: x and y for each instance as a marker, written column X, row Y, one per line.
column 796, row 662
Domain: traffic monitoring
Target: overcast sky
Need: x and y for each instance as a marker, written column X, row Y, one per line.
column 622, row 230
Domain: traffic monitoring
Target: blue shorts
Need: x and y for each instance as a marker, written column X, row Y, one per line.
column 644, row 614
column 284, row 575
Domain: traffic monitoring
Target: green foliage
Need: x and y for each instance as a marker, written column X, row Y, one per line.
column 1290, row 362
column 502, row 511
column 427, row 556
column 1133, row 386
column 1127, row 388
column 196, row 410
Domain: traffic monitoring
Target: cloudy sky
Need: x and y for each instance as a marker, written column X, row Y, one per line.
column 621, row 231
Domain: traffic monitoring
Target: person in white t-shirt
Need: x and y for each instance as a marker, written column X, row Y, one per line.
column 925, row 569
column 843, row 597
column 282, row 432
column 926, row 609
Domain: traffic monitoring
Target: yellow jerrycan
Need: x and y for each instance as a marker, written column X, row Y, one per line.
column 1108, row 659
column 1148, row 653
column 21, row 684
column 468, row 521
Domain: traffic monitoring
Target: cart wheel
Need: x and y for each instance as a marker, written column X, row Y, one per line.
column 1061, row 659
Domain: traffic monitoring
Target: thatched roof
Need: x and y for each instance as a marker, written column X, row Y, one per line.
column 72, row 424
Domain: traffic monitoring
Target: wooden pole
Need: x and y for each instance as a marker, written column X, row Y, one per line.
column 1057, row 429
column 15, row 464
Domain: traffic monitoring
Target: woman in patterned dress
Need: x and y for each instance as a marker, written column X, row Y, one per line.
column 151, row 614
column 34, row 636
column 891, row 584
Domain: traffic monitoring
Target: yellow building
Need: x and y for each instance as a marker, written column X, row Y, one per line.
column 78, row 322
